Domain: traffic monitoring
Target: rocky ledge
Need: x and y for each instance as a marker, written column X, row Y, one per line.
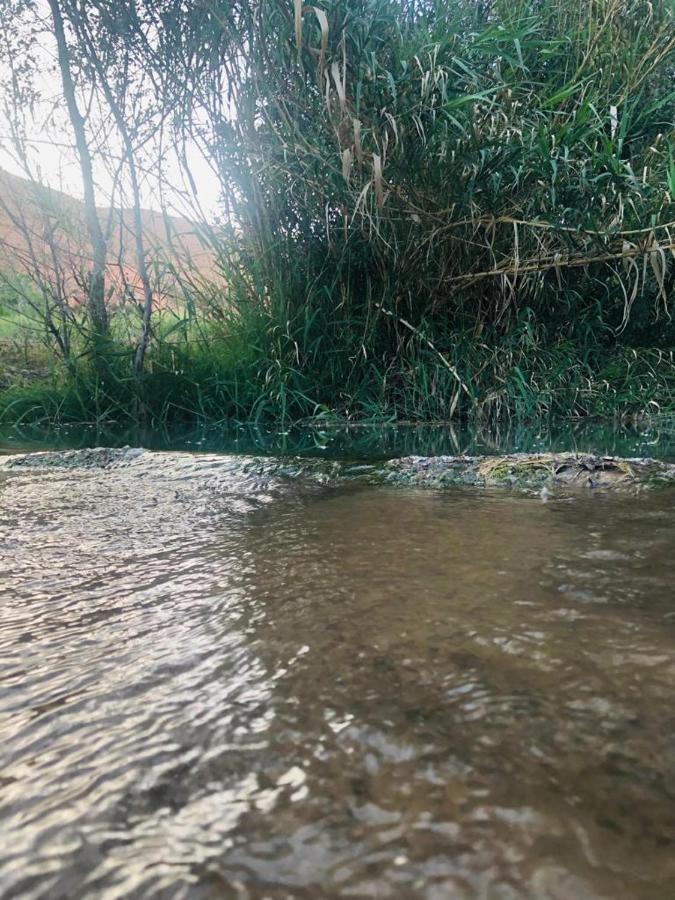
column 531, row 470
column 526, row 470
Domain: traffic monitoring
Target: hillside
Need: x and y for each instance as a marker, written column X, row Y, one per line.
column 43, row 233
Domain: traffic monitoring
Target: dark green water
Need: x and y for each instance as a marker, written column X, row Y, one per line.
column 655, row 438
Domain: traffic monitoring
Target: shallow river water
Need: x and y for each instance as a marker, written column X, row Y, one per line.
column 216, row 684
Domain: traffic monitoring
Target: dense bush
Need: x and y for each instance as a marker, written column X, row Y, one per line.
column 431, row 207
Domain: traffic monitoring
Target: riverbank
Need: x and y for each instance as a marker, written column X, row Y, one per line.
column 234, row 377
column 476, row 222
column 473, row 221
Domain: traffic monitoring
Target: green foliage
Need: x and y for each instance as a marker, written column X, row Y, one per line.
column 15, row 315
column 460, row 163
column 251, row 371
column 434, row 209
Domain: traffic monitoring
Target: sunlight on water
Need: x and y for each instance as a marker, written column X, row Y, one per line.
column 215, row 683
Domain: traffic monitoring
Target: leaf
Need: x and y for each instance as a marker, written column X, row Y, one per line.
column 657, row 260
column 520, row 54
column 323, row 23
column 631, row 269
column 464, row 99
column 298, row 24
column 394, row 127
column 377, row 180
column 614, row 120
column 346, row 164
column 357, row 140
column 670, row 173
column 562, row 94
column 361, row 199
column 339, row 87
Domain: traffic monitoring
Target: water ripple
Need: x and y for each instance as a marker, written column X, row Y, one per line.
column 216, row 681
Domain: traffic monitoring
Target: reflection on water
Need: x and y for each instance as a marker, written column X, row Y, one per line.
column 217, row 688
column 655, row 438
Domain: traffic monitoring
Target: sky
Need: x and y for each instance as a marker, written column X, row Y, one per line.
column 52, row 151
column 54, row 157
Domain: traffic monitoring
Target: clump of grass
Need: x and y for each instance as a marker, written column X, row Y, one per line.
column 465, row 163
column 557, row 468
column 498, row 468
column 237, row 376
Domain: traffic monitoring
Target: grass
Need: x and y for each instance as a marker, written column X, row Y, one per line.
column 217, row 377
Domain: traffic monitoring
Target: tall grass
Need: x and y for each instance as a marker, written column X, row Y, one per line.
column 248, row 373
column 434, row 209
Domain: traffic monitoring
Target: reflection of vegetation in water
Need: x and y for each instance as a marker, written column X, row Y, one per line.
column 655, row 438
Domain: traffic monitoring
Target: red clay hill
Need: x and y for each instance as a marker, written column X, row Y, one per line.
column 43, row 230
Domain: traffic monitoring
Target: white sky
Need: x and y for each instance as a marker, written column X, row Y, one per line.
column 59, row 169
column 52, row 151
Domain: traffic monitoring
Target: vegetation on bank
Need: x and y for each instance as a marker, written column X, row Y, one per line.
column 430, row 209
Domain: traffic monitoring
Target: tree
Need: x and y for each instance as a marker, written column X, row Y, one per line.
column 109, row 55
column 96, row 299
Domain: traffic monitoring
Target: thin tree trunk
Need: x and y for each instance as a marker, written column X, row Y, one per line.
column 96, row 300
column 144, row 339
column 127, row 140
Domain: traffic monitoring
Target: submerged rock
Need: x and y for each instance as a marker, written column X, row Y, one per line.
column 96, row 458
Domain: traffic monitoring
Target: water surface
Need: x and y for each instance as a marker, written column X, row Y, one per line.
column 220, row 685
column 653, row 437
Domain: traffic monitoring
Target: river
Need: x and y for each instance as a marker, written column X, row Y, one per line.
column 215, row 683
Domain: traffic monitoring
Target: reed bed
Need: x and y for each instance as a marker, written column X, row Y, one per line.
column 432, row 209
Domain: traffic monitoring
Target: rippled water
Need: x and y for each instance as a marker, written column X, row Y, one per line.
column 218, row 685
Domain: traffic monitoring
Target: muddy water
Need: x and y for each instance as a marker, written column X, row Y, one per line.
column 219, row 685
